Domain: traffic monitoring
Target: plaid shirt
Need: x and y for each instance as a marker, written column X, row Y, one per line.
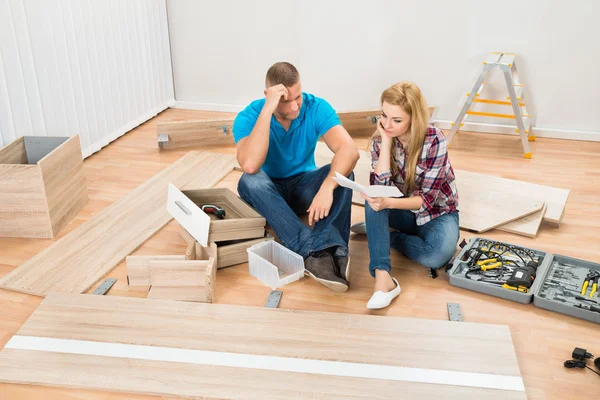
column 434, row 177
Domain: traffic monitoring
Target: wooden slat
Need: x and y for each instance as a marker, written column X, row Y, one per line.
column 233, row 254
column 199, row 133
column 180, row 293
column 138, row 268
column 365, row 339
column 177, row 272
column 82, row 257
column 64, row 182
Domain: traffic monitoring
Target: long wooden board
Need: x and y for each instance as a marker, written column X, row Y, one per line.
column 282, row 341
column 78, row 260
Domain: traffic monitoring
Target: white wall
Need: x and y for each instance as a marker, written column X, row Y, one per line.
column 97, row 68
column 349, row 51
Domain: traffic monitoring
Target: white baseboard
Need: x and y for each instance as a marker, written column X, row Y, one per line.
column 117, row 133
column 590, row 136
column 195, row 105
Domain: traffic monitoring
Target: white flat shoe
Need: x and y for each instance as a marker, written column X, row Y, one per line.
column 383, row 299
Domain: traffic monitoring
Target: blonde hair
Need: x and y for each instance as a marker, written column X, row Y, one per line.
column 408, row 96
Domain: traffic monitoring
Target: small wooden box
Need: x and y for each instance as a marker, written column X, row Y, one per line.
column 241, row 221
column 42, row 186
column 175, row 277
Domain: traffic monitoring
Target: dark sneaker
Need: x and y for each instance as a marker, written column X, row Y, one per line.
column 343, row 267
column 359, row 228
column 321, row 267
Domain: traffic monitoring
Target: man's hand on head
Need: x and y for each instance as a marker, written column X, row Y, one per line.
column 274, row 95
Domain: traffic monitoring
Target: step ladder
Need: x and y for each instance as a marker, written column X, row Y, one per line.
column 515, row 98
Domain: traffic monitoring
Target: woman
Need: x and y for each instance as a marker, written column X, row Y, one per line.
column 413, row 156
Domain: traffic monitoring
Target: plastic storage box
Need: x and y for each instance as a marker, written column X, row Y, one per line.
column 274, row 265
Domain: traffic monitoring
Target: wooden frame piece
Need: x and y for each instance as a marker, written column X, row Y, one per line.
column 204, row 133
column 43, row 186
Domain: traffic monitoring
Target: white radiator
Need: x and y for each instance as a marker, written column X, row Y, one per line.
column 97, row 68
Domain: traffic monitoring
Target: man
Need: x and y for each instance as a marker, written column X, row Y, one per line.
column 276, row 139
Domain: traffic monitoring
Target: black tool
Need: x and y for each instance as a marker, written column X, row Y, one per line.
column 585, row 299
column 587, row 307
column 216, row 210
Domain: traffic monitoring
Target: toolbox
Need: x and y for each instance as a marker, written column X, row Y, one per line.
column 551, row 281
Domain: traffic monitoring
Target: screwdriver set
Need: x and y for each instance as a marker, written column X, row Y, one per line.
column 554, row 282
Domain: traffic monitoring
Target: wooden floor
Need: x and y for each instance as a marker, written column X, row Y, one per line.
column 543, row 340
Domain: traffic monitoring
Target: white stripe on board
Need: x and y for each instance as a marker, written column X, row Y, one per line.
column 270, row 363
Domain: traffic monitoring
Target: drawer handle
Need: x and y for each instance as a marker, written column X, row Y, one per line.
column 185, row 210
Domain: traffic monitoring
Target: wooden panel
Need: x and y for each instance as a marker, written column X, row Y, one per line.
column 180, row 293
column 14, row 153
column 138, row 273
column 200, row 133
column 233, row 254
column 178, row 273
column 487, row 205
column 64, row 181
column 23, row 209
column 526, row 226
column 555, row 198
column 78, row 260
column 373, row 340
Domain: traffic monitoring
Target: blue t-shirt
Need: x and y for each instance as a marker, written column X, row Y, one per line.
column 292, row 152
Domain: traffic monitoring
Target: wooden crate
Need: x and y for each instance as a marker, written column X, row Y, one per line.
column 241, row 221
column 175, row 277
column 42, row 186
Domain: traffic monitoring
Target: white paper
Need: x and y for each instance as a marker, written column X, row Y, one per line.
column 371, row 191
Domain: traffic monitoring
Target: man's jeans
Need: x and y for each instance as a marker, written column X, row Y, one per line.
column 280, row 201
column 431, row 245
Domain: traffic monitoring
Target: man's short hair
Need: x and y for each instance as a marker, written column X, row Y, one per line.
column 282, row 73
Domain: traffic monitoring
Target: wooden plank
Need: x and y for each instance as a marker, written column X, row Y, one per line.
column 78, row 260
column 138, row 268
column 178, row 272
column 526, row 226
column 64, row 183
column 14, row 153
column 180, row 293
column 233, row 254
column 364, row 339
column 23, row 207
column 360, row 123
column 199, row 133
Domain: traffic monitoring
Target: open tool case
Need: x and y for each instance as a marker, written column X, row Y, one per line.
column 520, row 274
